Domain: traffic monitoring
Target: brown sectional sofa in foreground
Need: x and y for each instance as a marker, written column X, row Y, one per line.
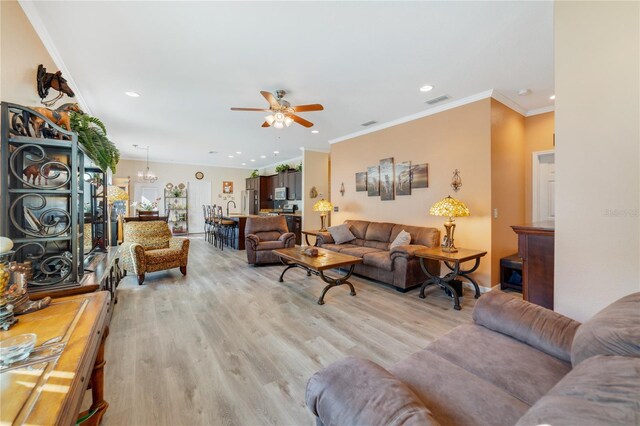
column 398, row 267
column 518, row 363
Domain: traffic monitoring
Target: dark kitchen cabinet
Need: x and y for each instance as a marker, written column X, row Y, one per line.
column 294, row 223
column 263, row 192
column 281, row 179
column 294, row 184
column 273, row 184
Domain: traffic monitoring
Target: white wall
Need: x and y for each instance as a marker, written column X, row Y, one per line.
column 597, row 71
column 182, row 173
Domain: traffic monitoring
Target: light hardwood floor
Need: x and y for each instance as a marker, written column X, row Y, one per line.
column 230, row 345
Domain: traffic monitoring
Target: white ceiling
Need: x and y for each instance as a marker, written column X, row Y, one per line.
column 363, row 61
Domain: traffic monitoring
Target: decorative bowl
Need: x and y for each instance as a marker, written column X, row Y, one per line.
column 16, row 348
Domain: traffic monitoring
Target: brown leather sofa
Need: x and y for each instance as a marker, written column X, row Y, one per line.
column 264, row 234
column 398, row 267
column 518, row 363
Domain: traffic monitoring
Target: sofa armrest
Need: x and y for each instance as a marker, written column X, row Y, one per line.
column 355, row 391
column 324, row 238
column 183, row 245
column 542, row 328
column 287, row 237
column 252, row 240
column 406, row 251
column 133, row 259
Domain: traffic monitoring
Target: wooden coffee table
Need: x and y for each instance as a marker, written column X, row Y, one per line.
column 294, row 257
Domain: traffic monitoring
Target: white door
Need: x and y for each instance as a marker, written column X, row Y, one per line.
column 199, row 194
column 544, row 186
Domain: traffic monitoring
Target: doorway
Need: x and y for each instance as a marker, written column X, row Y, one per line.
column 544, row 186
column 199, row 195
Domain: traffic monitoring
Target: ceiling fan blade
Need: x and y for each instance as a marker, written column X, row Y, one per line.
column 301, row 120
column 265, row 124
column 306, row 108
column 250, row 109
column 271, row 99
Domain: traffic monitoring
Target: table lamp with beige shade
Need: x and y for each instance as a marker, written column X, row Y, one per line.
column 451, row 208
column 323, row 206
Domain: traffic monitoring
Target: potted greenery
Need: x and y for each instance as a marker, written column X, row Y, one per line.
column 282, row 168
column 254, row 173
column 92, row 135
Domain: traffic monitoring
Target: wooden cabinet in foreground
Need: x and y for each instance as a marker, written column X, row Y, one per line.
column 48, row 387
column 536, row 248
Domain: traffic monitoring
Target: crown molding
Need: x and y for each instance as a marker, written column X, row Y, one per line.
column 321, row 150
column 144, row 160
column 431, row 111
column 508, row 102
column 542, row 110
column 30, row 10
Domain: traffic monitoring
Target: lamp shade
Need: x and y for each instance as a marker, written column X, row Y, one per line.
column 323, row 206
column 449, row 207
column 115, row 193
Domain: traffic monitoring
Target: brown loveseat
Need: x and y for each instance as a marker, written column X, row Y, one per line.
column 398, row 267
column 265, row 234
column 519, row 363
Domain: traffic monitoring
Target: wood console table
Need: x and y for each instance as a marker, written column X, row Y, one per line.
column 49, row 386
column 536, row 248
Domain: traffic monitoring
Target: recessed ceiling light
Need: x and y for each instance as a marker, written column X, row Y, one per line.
column 315, row 131
column 552, row 97
column 263, row 156
column 252, row 160
column 238, row 152
column 426, row 88
column 132, row 94
column 231, row 156
column 244, row 164
column 276, row 152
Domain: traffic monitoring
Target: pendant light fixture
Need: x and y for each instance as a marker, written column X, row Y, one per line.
column 146, row 175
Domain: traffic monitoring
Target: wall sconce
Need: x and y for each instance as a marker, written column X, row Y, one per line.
column 456, row 181
column 342, row 189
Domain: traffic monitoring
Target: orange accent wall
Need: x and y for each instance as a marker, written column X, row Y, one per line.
column 507, row 182
column 21, row 51
column 459, row 138
column 538, row 136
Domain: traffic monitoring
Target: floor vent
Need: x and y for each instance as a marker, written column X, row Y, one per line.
column 436, row 100
column 368, row 123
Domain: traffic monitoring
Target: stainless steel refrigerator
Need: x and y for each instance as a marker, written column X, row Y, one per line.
column 250, row 203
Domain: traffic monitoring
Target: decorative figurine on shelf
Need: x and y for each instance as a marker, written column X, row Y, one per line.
column 17, row 293
column 33, row 171
column 46, row 80
column 59, row 116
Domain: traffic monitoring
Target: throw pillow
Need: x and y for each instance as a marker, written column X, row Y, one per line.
column 341, row 233
column 403, row 239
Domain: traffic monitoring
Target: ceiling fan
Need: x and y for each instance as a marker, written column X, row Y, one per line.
column 282, row 113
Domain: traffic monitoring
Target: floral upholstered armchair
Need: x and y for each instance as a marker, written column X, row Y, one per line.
column 149, row 247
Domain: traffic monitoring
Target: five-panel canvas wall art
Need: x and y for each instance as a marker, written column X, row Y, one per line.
column 389, row 180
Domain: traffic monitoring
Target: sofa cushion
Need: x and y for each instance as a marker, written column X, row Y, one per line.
column 341, row 233
column 515, row 367
column 534, row 325
column 155, row 257
column 425, row 236
column 355, row 391
column 270, row 245
column 358, row 251
column 379, row 232
column 454, row 395
column 402, row 239
column 358, row 227
column 615, row 330
column 602, row 390
column 338, row 247
column 379, row 259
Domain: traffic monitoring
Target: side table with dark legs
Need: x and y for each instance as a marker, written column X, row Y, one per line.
column 452, row 261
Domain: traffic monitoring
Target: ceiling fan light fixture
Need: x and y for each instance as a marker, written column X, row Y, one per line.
column 279, row 117
column 278, row 124
column 270, row 119
column 288, row 121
